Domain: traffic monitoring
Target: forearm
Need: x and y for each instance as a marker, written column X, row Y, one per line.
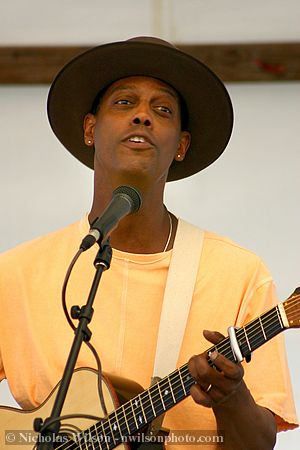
column 246, row 425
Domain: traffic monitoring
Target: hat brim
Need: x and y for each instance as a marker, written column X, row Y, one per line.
column 209, row 107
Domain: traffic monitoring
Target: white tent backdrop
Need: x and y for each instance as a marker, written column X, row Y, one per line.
column 40, row 22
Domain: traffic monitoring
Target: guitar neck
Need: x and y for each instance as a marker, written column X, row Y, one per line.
column 142, row 409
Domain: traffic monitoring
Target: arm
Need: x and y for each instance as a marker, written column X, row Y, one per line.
column 247, row 426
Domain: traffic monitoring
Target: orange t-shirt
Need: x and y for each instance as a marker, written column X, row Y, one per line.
column 233, row 287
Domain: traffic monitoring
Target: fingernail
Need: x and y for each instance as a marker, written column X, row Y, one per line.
column 213, row 355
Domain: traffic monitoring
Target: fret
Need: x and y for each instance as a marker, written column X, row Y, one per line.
column 151, row 403
column 262, row 328
column 142, row 418
column 111, row 429
column 157, row 403
column 182, row 383
column 80, row 439
column 131, row 422
column 146, row 406
column 92, row 436
column 103, row 437
column 126, row 422
column 133, row 414
column 114, row 422
column 84, row 444
column 166, row 393
column 161, row 398
column 138, row 413
column 257, row 332
column 79, row 442
column 178, row 392
column 118, row 426
column 187, row 378
column 271, row 323
column 171, row 389
column 247, row 340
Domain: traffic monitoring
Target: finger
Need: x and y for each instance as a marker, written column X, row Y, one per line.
column 217, row 397
column 213, row 387
column 200, row 369
column 213, row 397
column 213, row 336
column 204, row 374
column 229, row 369
column 200, row 397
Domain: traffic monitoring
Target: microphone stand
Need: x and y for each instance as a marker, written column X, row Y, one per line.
column 47, row 433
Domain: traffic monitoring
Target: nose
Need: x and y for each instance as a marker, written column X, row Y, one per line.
column 142, row 116
column 142, row 119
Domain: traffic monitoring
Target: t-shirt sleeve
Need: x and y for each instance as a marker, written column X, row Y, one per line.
column 267, row 375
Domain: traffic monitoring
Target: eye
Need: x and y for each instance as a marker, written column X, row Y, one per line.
column 122, row 101
column 164, row 109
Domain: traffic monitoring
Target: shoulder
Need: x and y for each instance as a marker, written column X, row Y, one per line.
column 222, row 254
column 217, row 243
column 43, row 246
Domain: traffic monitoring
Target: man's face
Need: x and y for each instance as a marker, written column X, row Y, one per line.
column 136, row 131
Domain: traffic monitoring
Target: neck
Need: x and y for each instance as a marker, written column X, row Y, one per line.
column 146, row 231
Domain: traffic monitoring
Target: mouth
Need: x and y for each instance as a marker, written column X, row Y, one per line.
column 139, row 140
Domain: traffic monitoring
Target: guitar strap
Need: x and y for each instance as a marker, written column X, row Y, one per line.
column 177, row 300
column 178, row 296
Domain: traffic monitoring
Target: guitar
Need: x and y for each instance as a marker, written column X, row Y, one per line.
column 120, row 427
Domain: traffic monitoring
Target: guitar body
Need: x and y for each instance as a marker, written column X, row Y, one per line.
column 82, row 398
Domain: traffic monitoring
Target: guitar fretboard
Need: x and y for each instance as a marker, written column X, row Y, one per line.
column 142, row 409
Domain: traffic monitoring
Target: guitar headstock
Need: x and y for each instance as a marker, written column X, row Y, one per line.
column 292, row 309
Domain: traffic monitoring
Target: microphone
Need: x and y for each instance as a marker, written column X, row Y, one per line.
column 125, row 200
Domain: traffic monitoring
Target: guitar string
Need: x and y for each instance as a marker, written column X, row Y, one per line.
column 274, row 313
column 153, row 398
column 117, row 438
column 174, row 387
column 184, row 371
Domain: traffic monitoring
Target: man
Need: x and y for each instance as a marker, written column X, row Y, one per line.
column 141, row 113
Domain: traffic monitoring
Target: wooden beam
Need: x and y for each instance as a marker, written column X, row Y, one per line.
column 231, row 62
column 251, row 62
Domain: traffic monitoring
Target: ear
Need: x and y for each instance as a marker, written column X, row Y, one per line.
column 183, row 146
column 88, row 129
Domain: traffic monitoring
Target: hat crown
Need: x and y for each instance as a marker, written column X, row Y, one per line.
column 150, row 40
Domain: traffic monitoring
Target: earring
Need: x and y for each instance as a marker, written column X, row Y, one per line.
column 178, row 156
column 89, row 141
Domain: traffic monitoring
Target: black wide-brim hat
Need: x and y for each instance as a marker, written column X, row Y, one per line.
column 210, row 115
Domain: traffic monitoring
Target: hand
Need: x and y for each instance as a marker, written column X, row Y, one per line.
column 214, row 386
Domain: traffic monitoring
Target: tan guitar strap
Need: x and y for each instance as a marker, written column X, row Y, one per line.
column 178, row 296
